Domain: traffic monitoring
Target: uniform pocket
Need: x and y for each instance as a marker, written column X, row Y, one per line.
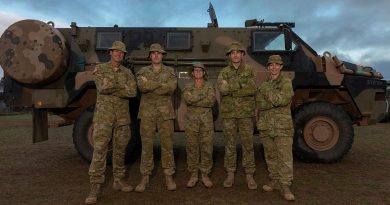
column 283, row 121
column 247, row 104
column 262, row 122
column 227, row 104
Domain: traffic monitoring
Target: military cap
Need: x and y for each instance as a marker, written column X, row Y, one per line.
column 275, row 59
column 157, row 47
column 199, row 65
column 118, row 45
column 235, row 46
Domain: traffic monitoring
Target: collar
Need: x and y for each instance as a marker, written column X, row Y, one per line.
column 239, row 69
column 278, row 79
column 151, row 69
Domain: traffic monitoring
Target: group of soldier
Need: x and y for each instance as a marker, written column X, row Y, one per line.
column 239, row 99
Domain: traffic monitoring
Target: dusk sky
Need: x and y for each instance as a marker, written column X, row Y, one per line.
column 357, row 31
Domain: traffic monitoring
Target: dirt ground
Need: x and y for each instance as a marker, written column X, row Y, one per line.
column 52, row 172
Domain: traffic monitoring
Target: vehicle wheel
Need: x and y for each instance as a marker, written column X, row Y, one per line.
column 323, row 133
column 83, row 140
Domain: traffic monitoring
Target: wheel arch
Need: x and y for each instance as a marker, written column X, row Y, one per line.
column 339, row 97
column 83, row 139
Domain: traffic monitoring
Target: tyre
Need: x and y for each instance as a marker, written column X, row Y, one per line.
column 83, row 140
column 323, row 133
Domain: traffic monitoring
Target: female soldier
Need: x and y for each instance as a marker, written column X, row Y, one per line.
column 199, row 97
column 276, row 129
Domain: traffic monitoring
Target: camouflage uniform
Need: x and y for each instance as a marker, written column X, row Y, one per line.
column 276, row 129
column 238, row 110
column 199, row 126
column 111, row 119
column 156, row 111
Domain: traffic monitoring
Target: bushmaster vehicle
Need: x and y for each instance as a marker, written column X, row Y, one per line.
column 50, row 70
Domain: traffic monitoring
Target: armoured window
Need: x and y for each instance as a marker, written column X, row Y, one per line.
column 268, row 41
column 178, row 41
column 105, row 39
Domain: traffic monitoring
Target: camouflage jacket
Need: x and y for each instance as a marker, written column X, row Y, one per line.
column 273, row 102
column 113, row 90
column 238, row 94
column 199, row 101
column 157, row 90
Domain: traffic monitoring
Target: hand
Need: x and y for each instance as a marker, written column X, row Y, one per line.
column 144, row 78
column 105, row 81
column 243, row 82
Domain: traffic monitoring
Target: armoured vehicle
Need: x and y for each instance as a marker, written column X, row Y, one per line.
column 51, row 70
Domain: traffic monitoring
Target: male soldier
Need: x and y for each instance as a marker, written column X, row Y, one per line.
column 199, row 127
column 115, row 84
column 157, row 83
column 236, row 83
column 275, row 124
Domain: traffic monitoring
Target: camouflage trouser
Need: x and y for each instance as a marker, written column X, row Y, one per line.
column 148, row 132
column 199, row 136
column 102, row 134
column 278, row 155
column 245, row 127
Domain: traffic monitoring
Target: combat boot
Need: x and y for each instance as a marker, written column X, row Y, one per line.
column 206, row 181
column 193, row 180
column 142, row 184
column 251, row 182
column 121, row 184
column 271, row 186
column 229, row 180
column 287, row 194
column 92, row 196
column 171, row 185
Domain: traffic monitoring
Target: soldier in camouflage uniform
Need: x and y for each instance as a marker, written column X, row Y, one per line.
column 236, row 84
column 115, row 84
column 276, row 129
column 157, row 83
column 199, row 97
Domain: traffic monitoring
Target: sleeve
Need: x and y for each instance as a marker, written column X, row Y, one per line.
column 281, row 95
column 247, row 85
column 146, row 86
column 229, row 87
column 169, row 87
column 207, row 98
column 104, row 83
column 129, row 87
column 261, row 102
column 189, row 97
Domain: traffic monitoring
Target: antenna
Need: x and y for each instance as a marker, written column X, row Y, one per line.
column 213, row 17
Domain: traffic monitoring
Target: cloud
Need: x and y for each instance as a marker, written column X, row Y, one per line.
column 356, row 30
column 107, row 13
column 6, row 19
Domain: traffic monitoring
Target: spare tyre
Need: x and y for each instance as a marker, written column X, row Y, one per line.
column 33, row 52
